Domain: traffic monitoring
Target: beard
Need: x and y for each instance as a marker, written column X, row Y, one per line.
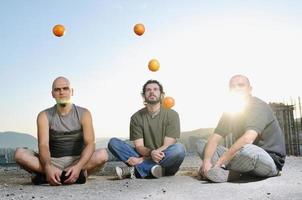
column 63, row 102
column 153, row 102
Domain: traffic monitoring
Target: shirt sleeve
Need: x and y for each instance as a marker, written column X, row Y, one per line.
column 223, row 127
column 258, row 119
column 173, row 125
column 136, row 131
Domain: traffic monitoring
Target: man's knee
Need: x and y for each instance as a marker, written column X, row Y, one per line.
column 113, row 142
column 178, row 150
column 247, row 157
column 252, row 158
column 20, row 154
column 101, row 156
column 250, row 151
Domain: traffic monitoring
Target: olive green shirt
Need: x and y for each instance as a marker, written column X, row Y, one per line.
column 257, row 116
column 154, row 129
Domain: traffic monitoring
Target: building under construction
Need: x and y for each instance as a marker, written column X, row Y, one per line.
column 7, row 156
column 289, row 117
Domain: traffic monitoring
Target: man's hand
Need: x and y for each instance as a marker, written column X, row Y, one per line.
column 157, row 156
column 219, row 163
column 206, row 166
column 72, row 173
column 132, row 161
column 53, row 175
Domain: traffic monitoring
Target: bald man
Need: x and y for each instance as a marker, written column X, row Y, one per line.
column 259, row 147
column 66, row 142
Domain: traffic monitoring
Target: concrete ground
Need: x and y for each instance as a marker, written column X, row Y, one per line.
column 15, row 184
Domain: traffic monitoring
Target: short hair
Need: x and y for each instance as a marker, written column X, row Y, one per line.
column 150, row 82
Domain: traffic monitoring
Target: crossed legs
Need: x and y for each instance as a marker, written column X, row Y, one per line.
column 250, row 159
column 29, row 160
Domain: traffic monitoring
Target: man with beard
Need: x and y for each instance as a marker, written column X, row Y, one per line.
column 153, row 130
column 259, row 148
column 66, row 142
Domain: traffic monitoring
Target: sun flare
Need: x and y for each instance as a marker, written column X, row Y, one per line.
column 235, row 103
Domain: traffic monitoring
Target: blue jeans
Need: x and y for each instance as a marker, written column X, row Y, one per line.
column 174, row 155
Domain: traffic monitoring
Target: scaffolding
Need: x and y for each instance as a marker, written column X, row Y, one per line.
column 285, row 114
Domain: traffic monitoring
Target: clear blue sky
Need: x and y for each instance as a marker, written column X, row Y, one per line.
column 199, row 44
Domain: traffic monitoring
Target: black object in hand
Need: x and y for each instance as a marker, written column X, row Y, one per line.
column 63, row 177
column 80, row 180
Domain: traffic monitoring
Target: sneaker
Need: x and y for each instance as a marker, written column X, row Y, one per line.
column 38, row 178
column 218, row 175
column 82, row 177
column 125, row 172
column 157, row 171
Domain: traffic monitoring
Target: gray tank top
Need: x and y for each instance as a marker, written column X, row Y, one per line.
column 65, row 132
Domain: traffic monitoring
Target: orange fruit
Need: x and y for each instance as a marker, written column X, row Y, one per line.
column 153, row 65
column 58, row 30
column 139, row 29
column 168, row 102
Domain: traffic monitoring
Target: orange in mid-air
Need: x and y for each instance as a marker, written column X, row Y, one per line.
column 168, row 102
column 58, row 30
column 153, row 65
column 139, row 29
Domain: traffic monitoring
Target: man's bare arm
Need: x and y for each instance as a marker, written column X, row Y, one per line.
column 140, row 148
column 209, row 151
column 43, row 140
column 167, row 142
column 158, row 154
column 89, row 139
column 144, row 151
column 88, row 133
column 211, row 147
column 52, row 173
column 247, row 138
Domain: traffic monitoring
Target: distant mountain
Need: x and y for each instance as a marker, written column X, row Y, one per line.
column 14, row 139
column 201, row 133
column 103, row 142
column 189, row 138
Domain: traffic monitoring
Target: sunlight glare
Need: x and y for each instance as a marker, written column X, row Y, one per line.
column 235, row 103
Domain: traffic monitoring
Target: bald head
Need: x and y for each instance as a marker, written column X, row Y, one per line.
column 241, row 84
column 61, row 80
column 239, row 77
column 61, row 91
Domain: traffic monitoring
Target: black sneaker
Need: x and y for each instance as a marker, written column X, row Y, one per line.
column 125, row 172
column 82, row 178
column 38, row 178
